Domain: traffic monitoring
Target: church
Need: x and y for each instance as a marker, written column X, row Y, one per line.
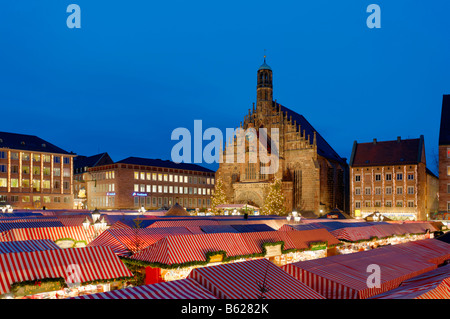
column 314, row 177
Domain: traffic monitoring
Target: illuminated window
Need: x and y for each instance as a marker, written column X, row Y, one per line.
column 14, row 182
column 142, row 188
column 142, row 175
column 46, row 184
column 149, row 188
column 154, row 188
column 368, row 203
column 66, row 172
column 165, row 177
column 36, row 170
column 160, row 177
column 36, row 157
column 25, row 199
column 175, row 178
column 448, row 152
column 56, row 172
column 149, row 176
column 136, row 175
column 171, row 178
column 136, row 187
column 160, row 189
column 170, row 189
column 46, row 199
column 448, row 170
column 165, row 189
column 14, row 155
column 25, row 157
column 46, row 171
column 185, row 179
column 175, row 189
column 46, row 159
column 36, row 185
column 3, row 182
column 181, row 190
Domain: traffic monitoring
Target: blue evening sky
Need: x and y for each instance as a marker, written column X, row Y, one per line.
column 136, row 70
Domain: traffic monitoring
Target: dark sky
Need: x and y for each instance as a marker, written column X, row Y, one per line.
column 136, row 70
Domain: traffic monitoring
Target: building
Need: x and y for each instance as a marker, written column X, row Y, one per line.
column 314, row 177
column 391, row 177
column 444, row 157
column 82, row 178
column 34, row 173
column 152, row 183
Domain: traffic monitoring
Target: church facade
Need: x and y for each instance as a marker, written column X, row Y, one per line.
column 314, row 177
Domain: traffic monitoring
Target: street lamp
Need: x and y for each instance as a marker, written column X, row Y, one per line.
column 95, row 215
column 288, row 218
column 86, row 224
column 294, row 213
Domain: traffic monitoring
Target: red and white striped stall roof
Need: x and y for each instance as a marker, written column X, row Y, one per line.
column 246, row 280
column 53, row 233
column 346, row 276
column 96, row 263
column 177, row 289
column 430, row 250
column 124, row 241
column 434, row 284
column 186, row 248
column 26, row 246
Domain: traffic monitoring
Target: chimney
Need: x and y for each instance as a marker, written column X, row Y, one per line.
column 399, row 139
column 374, row 141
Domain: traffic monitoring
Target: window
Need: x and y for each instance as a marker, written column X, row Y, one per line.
column 66, row 186
column 25, row 199
column 190, row 179
column 25, row 183
column 3, row 182
column 378, row 177
column 388, row 190
column 357, row 178
column 149, row 188
column 165, row 189
column 36, row 170
column 389, row 177
column 149, row 176
column 388, row 203
column 448, row 188
column 46, row 199
column 136, row 201
column 66, row 160
column 399, row 203
column 170, row 178
column 136, row 187
column 36, row 157
column 160, row 177
column 175, row 178
column 46, row 159
column 185, row 179
column 410, row 190
column 377, row 203
column 377, row 190
column 36, row 185
column 190, row 190
column 36, row 199
column 46, row 171
column 368, row 191
column 399, row 176
column 56, row 159
column 154, row 188
column 142, row 188
column 2, row 168
column 410, row 203
column 154, row 176
column 170, row 189
column 195, row 190
column 208, row 181
column 142, row 175
column 160, row 189
column 136, row 175
column 14, row 155
column 14, row 198
column 185, row 190
column 56, row 172
column 368, row 203
column 448, row 170
column 56, row 199
column 14, row 169
column 57, row 184
column 175, row 189
column 399, row 190
column 25, row 169
column 410, row 177
column 14, row 182
column 25, row 157
column 181, row 190
column 195, row 180
column 448, row 206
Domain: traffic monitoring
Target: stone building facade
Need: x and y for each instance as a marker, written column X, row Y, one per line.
column 391, row 177
column 314, row 177
column 444, row 157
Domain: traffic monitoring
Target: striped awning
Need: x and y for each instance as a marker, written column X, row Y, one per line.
column 124, row 241
column 96, row 263
column 346, row 276
column 177, row 289
column 182, row 223
column 430, row 250
column 179, row 249
column 254, row 279
column 434, row 284
column 27, row 246
column 53, row 233
column 20, row 224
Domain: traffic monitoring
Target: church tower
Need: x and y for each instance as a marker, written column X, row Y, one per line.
column 264, row 88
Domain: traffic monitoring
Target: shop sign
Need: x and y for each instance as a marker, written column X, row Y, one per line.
column 40, row 287
column 318, row 246
column 216, row 258
column 65, row 243
column 139, row 194
column 273, row 250
column 333, row 216
column 110, row 194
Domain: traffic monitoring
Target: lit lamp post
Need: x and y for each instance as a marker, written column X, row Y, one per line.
column 288, row 218
column 95, row 215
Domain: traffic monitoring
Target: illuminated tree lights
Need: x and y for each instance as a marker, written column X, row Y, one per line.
column 274, row 202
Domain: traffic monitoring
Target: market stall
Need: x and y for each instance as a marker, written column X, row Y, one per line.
column 27, row 246
column 60, row 273
column 254, row 279
column 177, row 289
column 434, row 284
column 347, row 276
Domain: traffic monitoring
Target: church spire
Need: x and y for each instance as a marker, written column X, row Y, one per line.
column 264, row 88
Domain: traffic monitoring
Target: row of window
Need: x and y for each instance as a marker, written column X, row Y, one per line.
column 387, row 203
column 28, row 199
column 173, row 178
column 171, row 189
column 36, row 157
column 388, row 190
column 36, row 170
column 35, row 183
column 152, row 202
column 388, row 177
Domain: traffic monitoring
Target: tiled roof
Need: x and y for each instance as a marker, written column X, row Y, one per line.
column 323, row 148
column 28, row 143
column 91, row 161
column 164, row 163
column 398, row 152
column 444, row 133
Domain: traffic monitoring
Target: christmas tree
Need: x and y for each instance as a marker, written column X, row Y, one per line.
column 219, row 197
column 274, row 202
